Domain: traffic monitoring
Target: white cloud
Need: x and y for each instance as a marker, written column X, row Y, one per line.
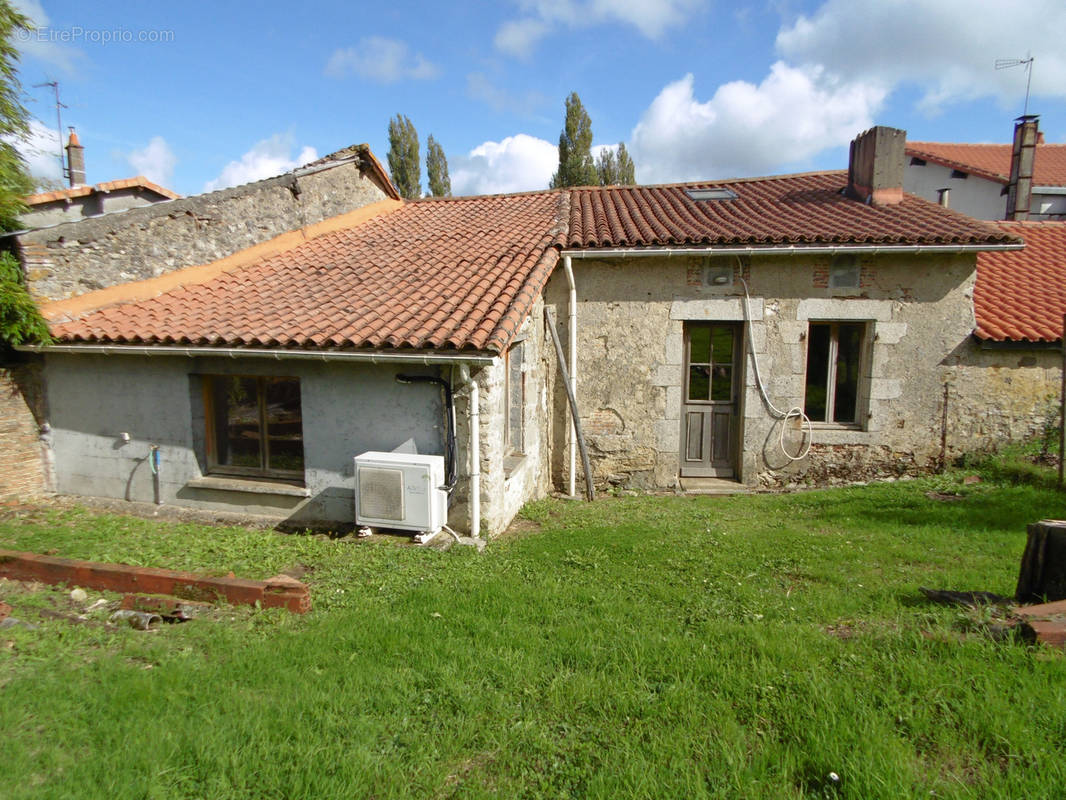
column 651, row 17
column 746, row 129
column 518, row 163
column 155, row 161
column 266, row 159
column 40, row 44
column 946, row 47
column 379, row 59
column 40, row 151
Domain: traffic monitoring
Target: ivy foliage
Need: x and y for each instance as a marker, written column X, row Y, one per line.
column 20, row 320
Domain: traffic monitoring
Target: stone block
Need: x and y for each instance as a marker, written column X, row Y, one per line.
column 667, row 435
column 666, row 375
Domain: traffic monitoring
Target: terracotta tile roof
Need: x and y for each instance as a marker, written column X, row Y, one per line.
column 462, row 273
column 992, row 161
column 1021, row 294
column 449, row 274
column 138, row 181
column 784, row 210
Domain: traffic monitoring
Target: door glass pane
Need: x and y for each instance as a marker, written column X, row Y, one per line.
column 817, row 372
column 722, row 343
column 284, row 423
column 699, row 343
column 722, row 383
column 699, row 382
column 236, row 410
column 849, row 347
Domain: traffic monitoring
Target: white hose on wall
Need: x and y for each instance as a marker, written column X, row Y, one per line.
column 784, row 416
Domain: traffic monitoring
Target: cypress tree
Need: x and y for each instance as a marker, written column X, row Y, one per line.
column 403, row 157
column 576, row 167
column 440, row 185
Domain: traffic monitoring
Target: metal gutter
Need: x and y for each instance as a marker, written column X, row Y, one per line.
column 790, row 250
column 1049, row 190
column 364, row 356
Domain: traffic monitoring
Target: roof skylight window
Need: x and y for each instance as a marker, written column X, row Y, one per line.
column 718, row 193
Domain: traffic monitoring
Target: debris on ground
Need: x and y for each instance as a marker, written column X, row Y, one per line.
column 141, row 620
column 968, row 599
column 1042, row 577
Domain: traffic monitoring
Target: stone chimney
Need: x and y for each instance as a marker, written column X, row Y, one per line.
column 1023, row 155
column 75, row 160
column 875, row 168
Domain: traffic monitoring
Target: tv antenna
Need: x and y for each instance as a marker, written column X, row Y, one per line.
column 54, row 85
column 1027, row 62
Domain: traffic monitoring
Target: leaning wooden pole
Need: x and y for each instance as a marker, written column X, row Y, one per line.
column 549, row 316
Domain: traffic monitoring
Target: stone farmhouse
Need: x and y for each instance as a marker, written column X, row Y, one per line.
column 789, row 330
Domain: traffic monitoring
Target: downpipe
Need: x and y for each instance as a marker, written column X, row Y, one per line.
column 475, row 450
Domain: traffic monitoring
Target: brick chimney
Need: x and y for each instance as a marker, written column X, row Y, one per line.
column 75, row 160
column 1023, row 155
column 875, row 168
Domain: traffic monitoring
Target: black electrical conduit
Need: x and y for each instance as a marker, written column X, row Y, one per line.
column 452, row 476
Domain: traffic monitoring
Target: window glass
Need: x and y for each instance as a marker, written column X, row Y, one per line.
column 834, row 356
column 722, row 341
column 699, row 382
column 818, row 338
column 257, row 425
column 515, row 399
column 237, row 440
column 699, row 343
column 849, row 349
column 284, row 424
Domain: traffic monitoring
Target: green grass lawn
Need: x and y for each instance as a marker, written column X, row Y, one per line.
column 670, row 647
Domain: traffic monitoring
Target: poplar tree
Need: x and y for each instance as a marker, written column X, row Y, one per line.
column 403, row 157
column 440, row 185
column 576, row 167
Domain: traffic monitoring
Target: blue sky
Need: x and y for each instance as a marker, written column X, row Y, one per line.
column 203, row 95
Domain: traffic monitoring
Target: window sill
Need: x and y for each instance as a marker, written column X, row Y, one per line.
column 512, row 463
column 248, row 486
column 835, row 426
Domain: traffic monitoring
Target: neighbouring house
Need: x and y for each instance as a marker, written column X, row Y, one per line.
column 980, row 179
column 796, row 329
column 79, row 200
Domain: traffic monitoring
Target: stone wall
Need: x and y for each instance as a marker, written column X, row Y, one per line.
column 73, row 258
column 23, row 469
column 918, row 316
column 508, row 480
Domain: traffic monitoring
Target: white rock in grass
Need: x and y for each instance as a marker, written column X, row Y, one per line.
column 79, row 595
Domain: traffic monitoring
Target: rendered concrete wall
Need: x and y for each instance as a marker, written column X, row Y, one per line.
column 919, row 316
column 973, row 195
column 77, row 257
column 346, row 408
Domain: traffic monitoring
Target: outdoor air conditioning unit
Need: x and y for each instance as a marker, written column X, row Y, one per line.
column 401, row 491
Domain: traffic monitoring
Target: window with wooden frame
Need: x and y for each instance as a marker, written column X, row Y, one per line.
column 516, row 400
column 254, row 426
column 834, row 367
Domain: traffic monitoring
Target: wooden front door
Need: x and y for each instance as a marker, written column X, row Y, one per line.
column 709, row 429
